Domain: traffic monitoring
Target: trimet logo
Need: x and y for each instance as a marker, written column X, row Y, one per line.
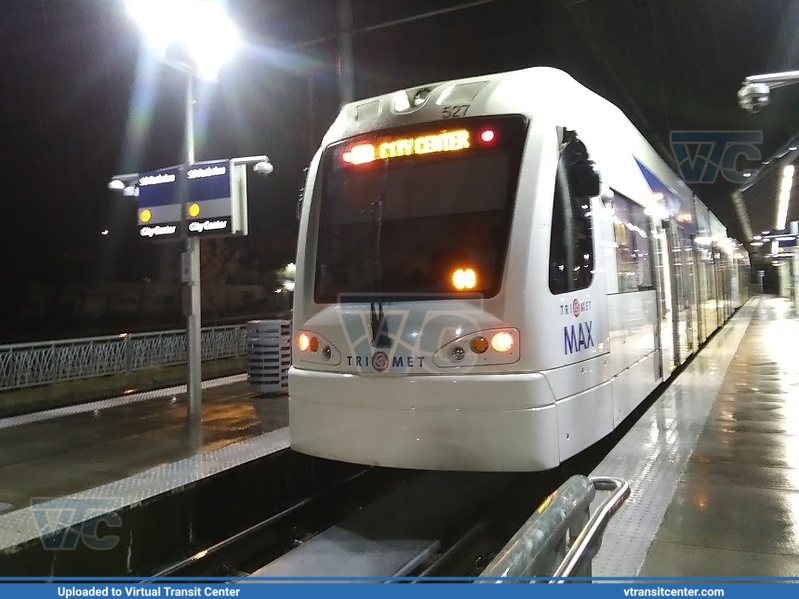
column 380, row 361
column 209, row 225
column 209, row 171
column 158, row 231
column 407, row 339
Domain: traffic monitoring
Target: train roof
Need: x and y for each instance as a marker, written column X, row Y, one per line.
column 551, row 93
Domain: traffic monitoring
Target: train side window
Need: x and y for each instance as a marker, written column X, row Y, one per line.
column 571, row 249
column 632, row 235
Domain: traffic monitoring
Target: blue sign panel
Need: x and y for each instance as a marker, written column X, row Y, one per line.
column 213, row 195
column 210, row 198
column 159, row 203
column 160, row 188
column 209, row 181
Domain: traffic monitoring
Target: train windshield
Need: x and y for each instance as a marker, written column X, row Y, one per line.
column 422, row 211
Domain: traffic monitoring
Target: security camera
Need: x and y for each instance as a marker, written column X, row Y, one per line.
column 754, row 97
column 122, row 183
column 263, row 168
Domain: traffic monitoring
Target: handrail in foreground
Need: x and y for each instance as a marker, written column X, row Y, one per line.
column 562, row 537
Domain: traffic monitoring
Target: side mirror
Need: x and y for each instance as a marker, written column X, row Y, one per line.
column 584, row 180
column 302, row 193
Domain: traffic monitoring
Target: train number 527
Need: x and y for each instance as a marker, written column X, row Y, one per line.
column 450, row 112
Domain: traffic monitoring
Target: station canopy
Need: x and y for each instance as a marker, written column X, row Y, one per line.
column 757, row 201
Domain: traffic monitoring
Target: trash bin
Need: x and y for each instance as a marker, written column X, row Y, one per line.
column 269, row 355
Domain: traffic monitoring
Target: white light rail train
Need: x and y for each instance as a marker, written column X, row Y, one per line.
column 492, row 274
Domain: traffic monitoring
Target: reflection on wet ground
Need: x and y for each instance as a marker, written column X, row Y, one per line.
column 56, row 457
column 735, row 511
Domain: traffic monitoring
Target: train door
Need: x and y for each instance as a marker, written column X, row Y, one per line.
column 701, row 290
column 711, row 304
column 676, row 273
column 683, row 292
column 665, row 329
column 735, row 283
column 688, row 267
column 721, row 285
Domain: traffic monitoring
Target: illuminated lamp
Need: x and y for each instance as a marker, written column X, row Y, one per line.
column 502, row 342
column 303, row 342
column 360, row 154
column 487, row 136
column 464, row 279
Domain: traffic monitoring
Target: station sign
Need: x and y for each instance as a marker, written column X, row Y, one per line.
column 159, row 203
column 780, row 242
column 215, row 195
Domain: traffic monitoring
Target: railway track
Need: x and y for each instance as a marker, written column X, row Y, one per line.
column 464, row 545
column 467, row 552
column 365, row 526
column 399, row 525
column 246, row 550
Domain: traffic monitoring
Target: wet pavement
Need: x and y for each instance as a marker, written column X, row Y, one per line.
column 735, row 510
column 80, row 451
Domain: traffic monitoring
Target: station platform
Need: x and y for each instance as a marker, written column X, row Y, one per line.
column 125, row 450
column 713, row 465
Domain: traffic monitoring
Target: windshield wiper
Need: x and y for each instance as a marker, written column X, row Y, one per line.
column 378, row 318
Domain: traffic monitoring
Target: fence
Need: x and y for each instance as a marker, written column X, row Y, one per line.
column 41, row 363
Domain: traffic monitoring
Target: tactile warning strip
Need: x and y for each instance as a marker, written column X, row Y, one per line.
column 653, row 455
column 27, row 524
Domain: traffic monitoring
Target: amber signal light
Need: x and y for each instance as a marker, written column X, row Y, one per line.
column 479, row 345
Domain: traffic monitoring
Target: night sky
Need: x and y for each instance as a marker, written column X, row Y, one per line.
column 80, row 102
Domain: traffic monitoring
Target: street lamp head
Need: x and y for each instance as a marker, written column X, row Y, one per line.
column 263, row 168
column 753, row 97
column 201, row 27
column 125, row 184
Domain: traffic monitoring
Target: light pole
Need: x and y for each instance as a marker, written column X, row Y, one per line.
column 209, row 38
column 191, row 275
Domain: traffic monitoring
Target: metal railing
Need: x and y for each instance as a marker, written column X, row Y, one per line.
column 562, row 537
column 46, row 362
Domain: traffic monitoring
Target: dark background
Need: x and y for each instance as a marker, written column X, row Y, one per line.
column 80, row 102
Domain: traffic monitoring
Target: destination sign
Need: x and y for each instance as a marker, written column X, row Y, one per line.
column 446, row 141
column 454, row 139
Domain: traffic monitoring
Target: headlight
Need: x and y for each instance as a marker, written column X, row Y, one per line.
column 483, row 348
column 315, row 348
